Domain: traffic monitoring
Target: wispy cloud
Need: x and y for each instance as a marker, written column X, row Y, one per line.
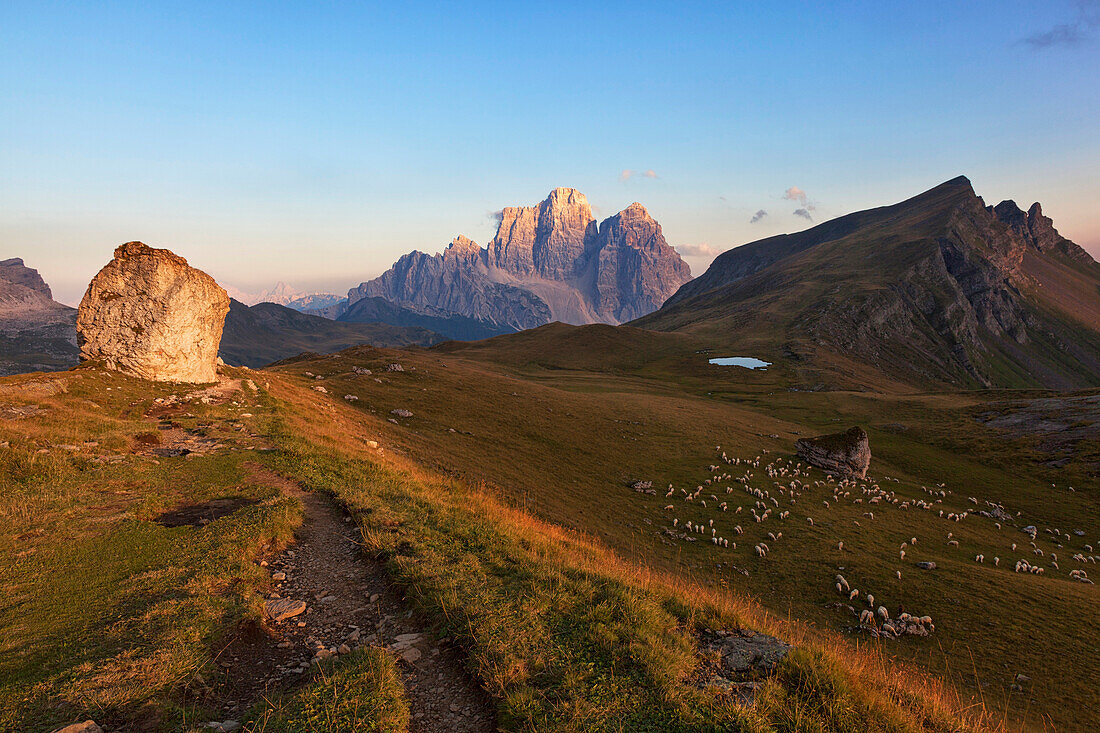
column 1074, row 33
column 804, row 214
column 495, row 216
column 758, row 216
column 627, row 174
column 794, row 193
column 698, row 250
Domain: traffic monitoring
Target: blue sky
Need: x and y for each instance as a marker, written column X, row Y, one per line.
column 316, row 142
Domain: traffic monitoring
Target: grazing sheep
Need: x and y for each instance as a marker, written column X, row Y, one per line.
column 866, row 618
column 840, row 546
column 883, row 613
column 870, row 600
column 899, row 575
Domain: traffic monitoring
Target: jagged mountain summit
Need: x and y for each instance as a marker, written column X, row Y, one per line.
column 938, row 289
column 291, row 297
column 550, row 262
column 35, row 330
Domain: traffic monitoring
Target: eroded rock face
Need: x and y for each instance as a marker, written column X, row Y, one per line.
column 151, row 315
column 549, row 262
column 845, row 454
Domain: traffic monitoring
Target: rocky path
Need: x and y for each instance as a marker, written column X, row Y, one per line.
column 349, row 603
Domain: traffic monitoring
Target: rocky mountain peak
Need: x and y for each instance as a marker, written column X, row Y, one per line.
column 15, row 272
column 635, row 212
column 551, row 261
column 463, row 245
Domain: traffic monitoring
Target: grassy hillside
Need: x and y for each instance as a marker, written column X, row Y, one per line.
column 565, row 629
column 564, row 443
column 934, row 291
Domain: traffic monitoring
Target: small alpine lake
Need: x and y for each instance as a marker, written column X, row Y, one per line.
column 742, row 361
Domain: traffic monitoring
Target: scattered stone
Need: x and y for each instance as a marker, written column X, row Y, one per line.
column 351, row 397
column 88, row 726
column 846, row 454
column 278, row 576
column 748, row 654
column 362, row 371
column 927, row 565
column 149, row 314
column 321, row 389
column 401, row 413
column 279, row 609
column 395, row 368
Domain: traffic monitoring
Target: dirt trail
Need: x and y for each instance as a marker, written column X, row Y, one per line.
column 350, row 602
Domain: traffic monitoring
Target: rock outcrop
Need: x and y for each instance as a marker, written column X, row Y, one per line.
column 550, row 262
column 36, row 332
column 151, row 315
column 844, row 454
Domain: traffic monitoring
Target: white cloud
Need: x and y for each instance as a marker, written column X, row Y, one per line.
column 698, row 250
column 627, row 174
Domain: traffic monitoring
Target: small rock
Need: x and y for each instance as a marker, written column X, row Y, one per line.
column 395, row 368
column 278, row 576
column 279, row 609
column 411, row 654
column 927, row 565
column 88, row 726
column 845, row 454
column 400, row 412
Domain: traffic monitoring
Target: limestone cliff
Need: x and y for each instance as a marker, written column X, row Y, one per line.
column 549, row 262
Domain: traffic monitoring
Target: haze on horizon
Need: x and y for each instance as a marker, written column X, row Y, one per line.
column 315, row 145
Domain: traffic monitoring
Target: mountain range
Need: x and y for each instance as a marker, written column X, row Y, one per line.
column 939, row 289
column 39, row 334
column 550, row 262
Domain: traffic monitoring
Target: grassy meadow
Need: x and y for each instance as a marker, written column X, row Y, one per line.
column 502, row 510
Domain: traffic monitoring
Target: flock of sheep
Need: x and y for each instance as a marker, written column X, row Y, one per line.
column 735, row 488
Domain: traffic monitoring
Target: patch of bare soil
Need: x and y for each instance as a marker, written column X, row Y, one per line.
column 197, row 515
column 349, row 603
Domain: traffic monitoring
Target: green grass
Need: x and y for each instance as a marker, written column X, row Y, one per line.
column 105, row 613
column 362, row 692
column 564, row 634
column 563, row 444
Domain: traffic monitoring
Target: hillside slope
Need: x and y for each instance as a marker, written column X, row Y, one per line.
column 265, row 333
column 936, row 290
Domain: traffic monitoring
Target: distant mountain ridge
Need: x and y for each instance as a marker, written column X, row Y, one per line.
column 939, row 288
column 283, row 294
column 258, row 335
column 39, row 334
column 550, row 262
column 36, row 332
